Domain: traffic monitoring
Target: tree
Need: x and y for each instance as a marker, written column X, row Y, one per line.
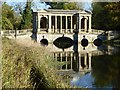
column 7, row 16
column 6, row 24
column 63, row 5
column 71, row 6
column 26, row 17
column 10, row 19
column 55, row 5
column 17, row 21
column 114, row 10
column 101, row 17
column 106, row 15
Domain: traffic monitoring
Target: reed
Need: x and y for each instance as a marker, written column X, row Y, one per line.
column 28, row 67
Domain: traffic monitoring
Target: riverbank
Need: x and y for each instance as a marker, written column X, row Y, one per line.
column 28, row 66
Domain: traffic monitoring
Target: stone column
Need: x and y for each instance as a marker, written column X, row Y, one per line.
column 90, row 30
column 66, row 23
column 60, row 24
column 90, row 55
column 61, row 57
column 53, row 29
column 56, row 56
column 71, row 25
column 75, row 26
column 66, row 61
column 79, row 62
column 38, row 24
column 85, row 60
column 79, row 23
column 49, row 27
column 61, row 60
column 55, row 23
column 71, row 55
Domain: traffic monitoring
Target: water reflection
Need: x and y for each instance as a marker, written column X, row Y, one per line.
column 90, row 67
column 84, row 42
column 73, row 61
column 108, row 68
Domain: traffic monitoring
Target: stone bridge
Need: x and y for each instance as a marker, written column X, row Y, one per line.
column 51, row 24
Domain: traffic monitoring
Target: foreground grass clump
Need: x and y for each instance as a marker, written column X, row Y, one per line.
column 28, row 67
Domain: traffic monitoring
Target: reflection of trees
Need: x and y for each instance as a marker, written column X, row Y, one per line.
column 105, row 70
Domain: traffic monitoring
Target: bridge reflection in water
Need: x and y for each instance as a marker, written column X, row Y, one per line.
column 79, row 66
column 82, row 66
column 76, row 59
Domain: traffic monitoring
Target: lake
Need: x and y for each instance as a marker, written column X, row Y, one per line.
column 90, row 66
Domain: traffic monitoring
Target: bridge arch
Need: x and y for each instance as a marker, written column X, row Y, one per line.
column 84, row 24
column 43, row 22
column 44, row 41
column 97, row 42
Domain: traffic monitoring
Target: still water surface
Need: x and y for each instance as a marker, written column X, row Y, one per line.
column 89, row 67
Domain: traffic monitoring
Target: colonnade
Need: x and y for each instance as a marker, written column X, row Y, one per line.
column 83, row 61
column 72, row 22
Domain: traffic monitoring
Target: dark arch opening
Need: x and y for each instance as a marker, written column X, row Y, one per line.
column 44, row 42
column 82, row 23
column 63, row 42
column 97, row 42
column 84, row 42
column 43, row 22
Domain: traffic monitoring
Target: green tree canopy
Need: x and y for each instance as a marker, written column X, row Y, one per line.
column 106, row 15
column 27, row 17
column 6, row 24
column 7, row 16
column 114, row 11
column 101, row 18
column 63, row 5
column 10, row 19
column 71, row 6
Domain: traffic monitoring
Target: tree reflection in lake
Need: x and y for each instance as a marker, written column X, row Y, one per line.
column 106, row 70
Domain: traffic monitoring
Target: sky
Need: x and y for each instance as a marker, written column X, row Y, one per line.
column 39, row 5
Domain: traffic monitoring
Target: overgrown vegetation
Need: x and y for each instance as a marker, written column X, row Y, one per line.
column 28, row 67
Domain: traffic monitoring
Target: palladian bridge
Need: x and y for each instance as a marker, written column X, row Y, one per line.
column 51, row 24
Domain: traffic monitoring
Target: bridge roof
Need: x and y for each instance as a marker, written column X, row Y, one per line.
column 61, row 11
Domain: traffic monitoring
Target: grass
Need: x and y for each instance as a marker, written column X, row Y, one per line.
column 0, row 63
column 28, row 67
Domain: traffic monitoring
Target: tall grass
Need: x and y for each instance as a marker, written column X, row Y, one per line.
column 28, row 67
column 0, row 63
